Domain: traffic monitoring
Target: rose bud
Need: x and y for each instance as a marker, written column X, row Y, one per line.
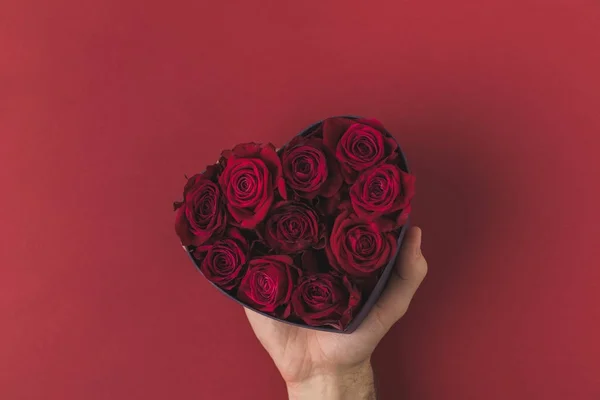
column 358, row 247
column 251, row 174
column 201, row 216
column 383, row 194
column 268, row 283
column 222, row 262
column 310, row 168
column 291, row 227
column 358, row 144
column 325, row 299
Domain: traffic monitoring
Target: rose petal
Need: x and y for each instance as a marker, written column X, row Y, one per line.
column 281, row 188
column 212, row 171
column 403, row 216
column 182, row 227
column 259, row 214
column 246, row 150
column 385, row 224
column 333, row 129
column 282, row 258
column 334, row 175
column 236, row 234
column 372, row 122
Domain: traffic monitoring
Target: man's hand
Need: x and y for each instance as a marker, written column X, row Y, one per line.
column 322, row 365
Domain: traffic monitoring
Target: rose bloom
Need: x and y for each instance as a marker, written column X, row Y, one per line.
column 268, row 283
column 383, row 194
column 358, row 247
column 325, row 299
column 222, row 262
column 201, row 216
column 291, row 227
column 310, row 169
column 357, row 144
column 250, row 176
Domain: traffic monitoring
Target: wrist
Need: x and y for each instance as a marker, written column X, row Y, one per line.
column 352, row 383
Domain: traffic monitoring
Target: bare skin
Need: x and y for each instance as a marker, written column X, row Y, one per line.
column 319, row 365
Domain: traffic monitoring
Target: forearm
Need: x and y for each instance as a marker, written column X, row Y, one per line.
column 354, row 384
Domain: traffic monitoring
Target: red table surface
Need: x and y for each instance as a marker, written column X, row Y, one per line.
column 105, row 105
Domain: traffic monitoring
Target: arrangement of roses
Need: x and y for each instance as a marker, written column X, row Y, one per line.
column 301, row 233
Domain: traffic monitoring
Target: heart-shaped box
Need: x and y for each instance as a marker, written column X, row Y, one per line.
column 369, row 302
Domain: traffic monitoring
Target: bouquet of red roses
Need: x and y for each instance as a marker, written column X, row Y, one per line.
column 304, row 234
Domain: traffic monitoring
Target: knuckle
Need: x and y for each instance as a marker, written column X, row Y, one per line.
column 401, row 309
column 421, row 269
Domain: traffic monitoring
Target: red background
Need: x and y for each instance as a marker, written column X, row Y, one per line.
column 105, row 105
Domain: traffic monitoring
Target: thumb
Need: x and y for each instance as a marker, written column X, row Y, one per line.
column 407, row 275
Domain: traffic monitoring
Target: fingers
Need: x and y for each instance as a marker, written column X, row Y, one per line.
column 411, row 266
column 272, row 334
column 408, row 273
column 258, row 321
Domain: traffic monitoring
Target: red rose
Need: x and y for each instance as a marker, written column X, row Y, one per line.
column 325, row 299
column 310, row 168
column 357, row 144
column 222, row 262
column 201, row 215
column 358, row 247
column 292, row 226
column 268, row 283
column 383, row 194
column 251, row 173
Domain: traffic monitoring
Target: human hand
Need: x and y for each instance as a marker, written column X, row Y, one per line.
column 323, row 365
